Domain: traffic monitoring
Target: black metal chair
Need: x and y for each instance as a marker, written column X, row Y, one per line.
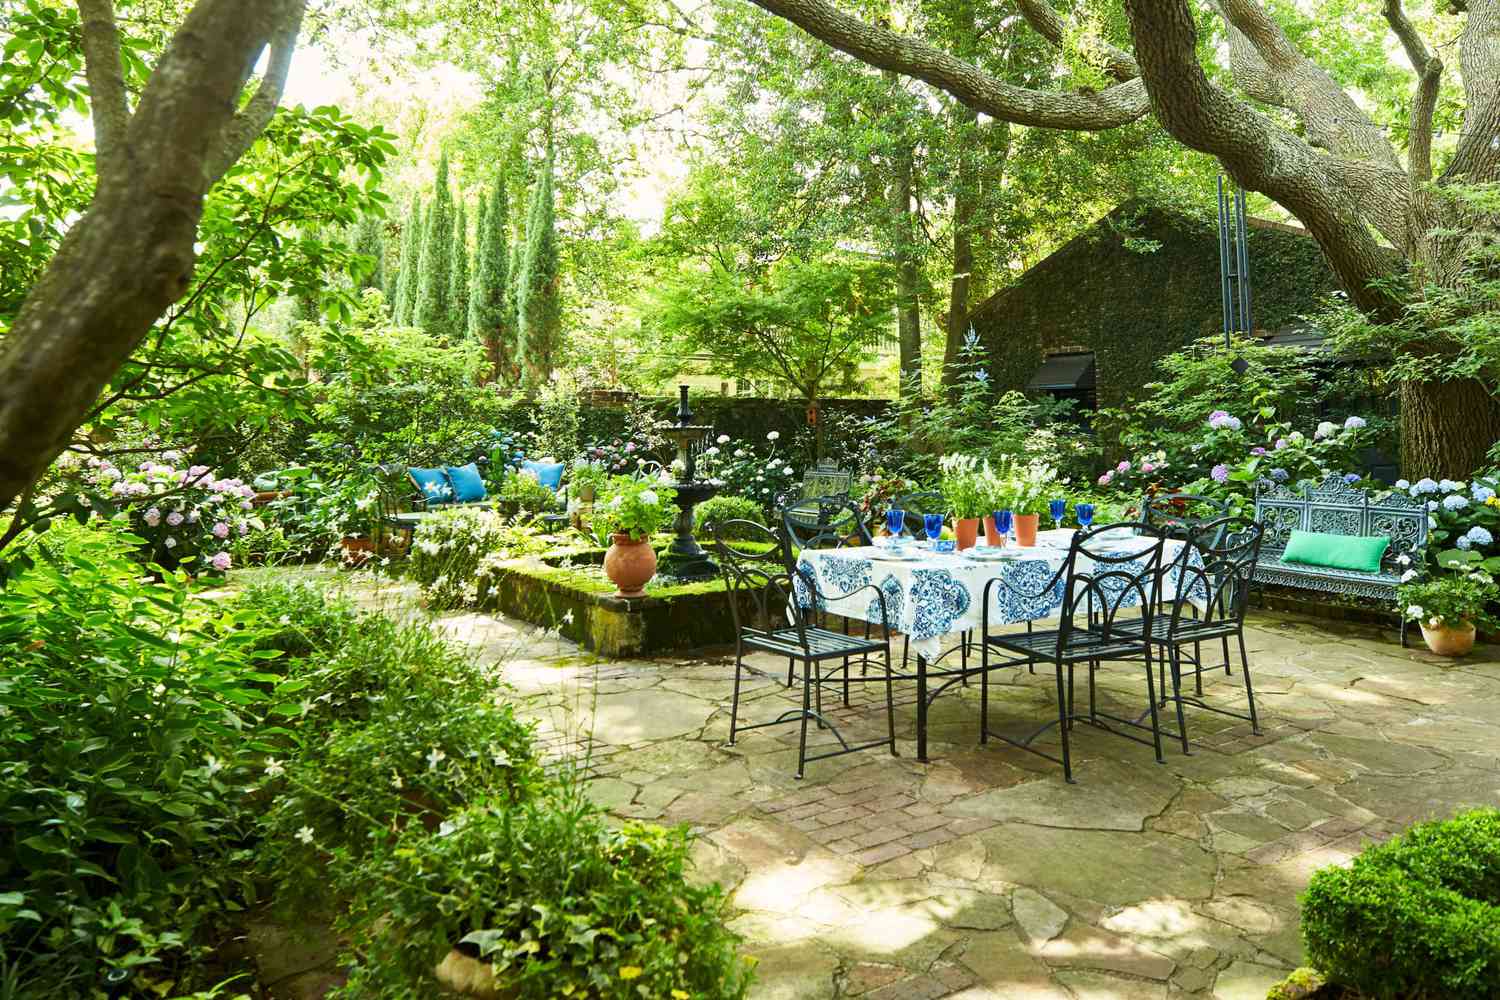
column 916, row 506
column 1209, row 603
column 771, row 602
column 830, row 522
column 1099, row 583
column 1181, row 514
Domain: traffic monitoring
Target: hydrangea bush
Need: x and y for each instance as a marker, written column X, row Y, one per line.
column 447, row 549
column 1464, row 519
column 749, row 470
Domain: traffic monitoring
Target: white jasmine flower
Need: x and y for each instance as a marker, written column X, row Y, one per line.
column 435, row 757
column 396, row 781
column 274, row 768
column 213, row 764
column 567, row 618
column 305, row 835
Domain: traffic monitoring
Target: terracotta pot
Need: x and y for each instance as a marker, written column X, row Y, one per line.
column 1450, row 641
column 967, row 530
column 629, row 564
column 991, row 536
column 357, row 551
column 1026, row 525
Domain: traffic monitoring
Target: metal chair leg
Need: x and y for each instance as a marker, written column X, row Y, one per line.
column 1227, row 671
column 846, row 682
column 1176, row 655
column 984, row 693
column 1062, row 725
column 734, row 704
column 890, row 700
column 1249, row 689
column 791, row 666
column 1151, row 699
column 806, row 711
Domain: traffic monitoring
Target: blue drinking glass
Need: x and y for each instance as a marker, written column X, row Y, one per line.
column 1002, row 523
column 895, row 520
column 932, row 526
column 1085, row 512
column 1057, row 508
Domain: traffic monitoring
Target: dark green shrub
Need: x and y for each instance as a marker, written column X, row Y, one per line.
column 559, row 902
column 716, row 510
column 298, row 618
column 1416, row 917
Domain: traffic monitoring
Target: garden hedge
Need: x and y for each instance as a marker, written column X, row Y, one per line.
column 1413, row 918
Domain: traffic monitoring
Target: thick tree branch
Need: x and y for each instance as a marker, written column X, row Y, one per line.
column 104, row 70
column 1477, row 157
column 1277, row 73
column 888, row 50
column 242, row 131
column 1259, row 155
column 1429, row 79
column 1048, row 23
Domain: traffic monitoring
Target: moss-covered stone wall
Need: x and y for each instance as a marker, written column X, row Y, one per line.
column 1139, row 284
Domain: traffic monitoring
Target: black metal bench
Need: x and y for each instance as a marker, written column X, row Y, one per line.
column 1336, row 508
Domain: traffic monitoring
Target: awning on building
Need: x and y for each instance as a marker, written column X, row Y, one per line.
column 1307, row 338
column 1064, row 371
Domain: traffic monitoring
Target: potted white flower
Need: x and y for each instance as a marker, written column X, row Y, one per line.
column 1449, row 607
column 631, row 512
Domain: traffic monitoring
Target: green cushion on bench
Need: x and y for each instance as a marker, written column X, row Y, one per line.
column 1355, row 552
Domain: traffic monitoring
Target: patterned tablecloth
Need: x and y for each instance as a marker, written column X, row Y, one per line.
column 940, row 595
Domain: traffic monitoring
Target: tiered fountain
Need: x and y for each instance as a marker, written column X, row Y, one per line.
column 685, row 558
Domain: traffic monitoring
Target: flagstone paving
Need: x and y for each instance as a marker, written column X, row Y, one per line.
column 982, row 875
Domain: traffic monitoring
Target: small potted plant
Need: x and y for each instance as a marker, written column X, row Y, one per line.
column 631, row 512
column 966, row 490
column 1449, row 607
column 1026, row 488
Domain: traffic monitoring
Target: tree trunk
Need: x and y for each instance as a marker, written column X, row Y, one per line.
column 908, row 314
column 1446, row 428
column 965, row 204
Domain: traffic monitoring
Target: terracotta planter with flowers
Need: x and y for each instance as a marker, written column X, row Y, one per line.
column 630, row 564
column 991, row 535
column 967, row 531
column 1449, row 640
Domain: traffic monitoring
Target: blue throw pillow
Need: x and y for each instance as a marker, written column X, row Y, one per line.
column 433, row 483
column 468, row 486
column 549, row 474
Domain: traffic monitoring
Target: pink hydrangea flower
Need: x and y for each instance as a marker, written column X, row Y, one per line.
column 152, row 517
column 1147, row 467
column 1123, row 467
column 221, row 530
column 1104, row 480
column 174, row 519
column 220, row 561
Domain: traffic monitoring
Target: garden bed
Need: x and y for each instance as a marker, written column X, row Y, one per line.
column 571, row 594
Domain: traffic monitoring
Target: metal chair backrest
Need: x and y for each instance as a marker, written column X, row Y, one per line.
column 1180, row 515
column 824, row 523
column 826, row 479
column 915, row 506
column 756, row 566
column 1216, row 592
column 1104, row 576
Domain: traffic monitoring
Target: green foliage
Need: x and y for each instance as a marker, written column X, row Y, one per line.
column 559, row 902
column 1417, row 916
column 458, row 289
column 521, row 488
column 131, row 713
column 369, row 242
column 709, row 515
column 449, row 547
column 404, row 300
column 538, row 285
column 491, row 311
column 805, row 323
column 968, row 485
column 433, row 307
column 557, row 421
column 638, row 508
column 1450, row 599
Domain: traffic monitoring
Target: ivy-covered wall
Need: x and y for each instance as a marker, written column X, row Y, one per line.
column 1139, row 284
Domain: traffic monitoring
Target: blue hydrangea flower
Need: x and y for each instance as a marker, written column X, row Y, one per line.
column 1220, row 473
column 1448, row 485
column 1480, row 536
column 1352, row 477
column 1464, row 542
column 1482, row 493
column 1354, row 423
column 1402, row 484
column 1425, row 486
column 1280, row 475
column 1456, row 502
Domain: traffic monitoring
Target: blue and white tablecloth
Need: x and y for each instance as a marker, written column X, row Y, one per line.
column 941, row 594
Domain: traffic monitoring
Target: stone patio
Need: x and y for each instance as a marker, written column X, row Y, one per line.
column 982, row 874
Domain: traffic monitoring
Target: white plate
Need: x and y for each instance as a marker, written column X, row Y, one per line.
column 903, row 554
column 988, row 554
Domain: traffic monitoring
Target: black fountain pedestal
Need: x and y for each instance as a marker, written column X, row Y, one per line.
column 685, row 558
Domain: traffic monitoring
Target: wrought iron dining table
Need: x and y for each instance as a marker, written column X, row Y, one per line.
column 936, row 598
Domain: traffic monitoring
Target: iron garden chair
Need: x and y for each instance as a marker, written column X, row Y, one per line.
column 771, row 601
column 1099, row 588
column 1209, row 604
column 1181, row 514
column 827, row 522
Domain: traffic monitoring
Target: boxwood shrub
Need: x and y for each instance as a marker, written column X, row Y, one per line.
column 716, row 510
column 1416, row 917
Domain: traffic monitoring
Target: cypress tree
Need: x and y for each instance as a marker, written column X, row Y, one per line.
column 458, row 286
column 406, row 273
column 491, row 318
column 471, row 324
column 435, row 272
column 369, row 241
column 539, row 309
